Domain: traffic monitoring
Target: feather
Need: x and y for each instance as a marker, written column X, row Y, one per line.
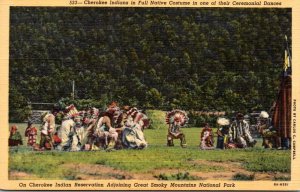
column 223, row 121
column 264, row 114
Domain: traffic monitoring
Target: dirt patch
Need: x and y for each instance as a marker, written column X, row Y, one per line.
column 82, row 171
column 90, row 171
column 19, row 175
column 232, row 169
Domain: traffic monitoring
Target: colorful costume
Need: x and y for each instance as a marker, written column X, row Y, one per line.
column 176, row 119
column 222, row 132
column 239, row 133
column 47, row 130
column 132, row 135
column 56, row 140
column 69, row 140
column 81, row 133
column 15, row 137
column 207, row 138
column 104, row 134
column 269, row 134
column 31, row 133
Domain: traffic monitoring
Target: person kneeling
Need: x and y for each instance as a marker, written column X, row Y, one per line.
column 132, row 135
column 207, row 138
column 176, row 119
column 240, row 134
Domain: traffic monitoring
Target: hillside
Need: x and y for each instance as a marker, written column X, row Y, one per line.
column 155, row 58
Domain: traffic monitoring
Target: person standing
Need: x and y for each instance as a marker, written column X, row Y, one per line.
column 31, row 134
column 47, row 130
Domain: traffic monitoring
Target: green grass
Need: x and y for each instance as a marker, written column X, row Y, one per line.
column 157, row 119
column 51, row 164
column 241, row 176
column 178, row 176
column 282, row 178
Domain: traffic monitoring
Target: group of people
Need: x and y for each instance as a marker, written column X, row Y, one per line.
column 235, row 134
column 89, row 129
column 116, row 129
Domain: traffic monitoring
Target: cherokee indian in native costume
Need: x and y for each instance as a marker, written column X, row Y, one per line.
column 31, row 134
column 132, row 135
column 206, row 138
column 69, row 139
column 81, row 131
column 15, row 137
column 176, row 119
column 269, row 134
column 222, row 132
column 47, row 130
column 239, row 132
column 105, row 135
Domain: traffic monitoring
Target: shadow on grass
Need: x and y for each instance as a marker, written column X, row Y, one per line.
column 243, row 177
column 178, row 176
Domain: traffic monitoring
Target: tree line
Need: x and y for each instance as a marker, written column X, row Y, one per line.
column 224, row 59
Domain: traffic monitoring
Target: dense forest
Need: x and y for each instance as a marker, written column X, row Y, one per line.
column 224, row 59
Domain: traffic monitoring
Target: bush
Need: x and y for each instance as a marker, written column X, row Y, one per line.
column 241, row 176
column 196, row 120
column 178, row 176
column 19, row 110
column 282, row 178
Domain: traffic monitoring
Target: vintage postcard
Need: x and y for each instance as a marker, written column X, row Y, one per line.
column 149, row 95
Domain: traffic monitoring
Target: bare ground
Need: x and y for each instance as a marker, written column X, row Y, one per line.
column 98, row 172
column 16, row 175
column 231, row 169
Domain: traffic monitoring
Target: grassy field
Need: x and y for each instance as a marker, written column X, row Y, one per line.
column 156, row 162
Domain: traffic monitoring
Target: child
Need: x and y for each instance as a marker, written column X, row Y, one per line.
column 31, row 133
column 15, row 137
column 222, row 132
column 206, row 138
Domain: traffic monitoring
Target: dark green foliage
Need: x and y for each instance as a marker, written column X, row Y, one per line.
column 178, row 176
column 82, row 103
column 201, row 120
column 19, row 109
column 201, row 59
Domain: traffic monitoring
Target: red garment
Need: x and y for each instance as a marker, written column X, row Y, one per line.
column 209, row 141
column 282, row 112
column 13, row 129
column 31, row 133
column 206, row 129
column 56, row 139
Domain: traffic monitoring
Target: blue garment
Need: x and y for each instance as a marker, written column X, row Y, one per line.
column 220, row 142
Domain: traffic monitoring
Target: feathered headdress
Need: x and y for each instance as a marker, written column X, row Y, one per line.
column 71, row 111
column 132, row 112
column 223, row 121
column 264, row 114
column 137, row 115
column 178, row 116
